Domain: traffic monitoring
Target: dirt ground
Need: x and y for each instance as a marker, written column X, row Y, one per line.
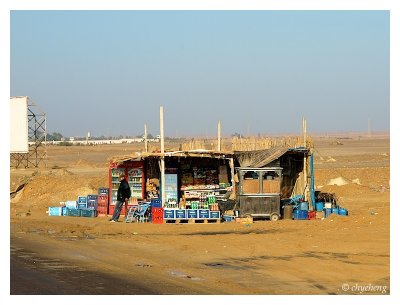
column 91, row 256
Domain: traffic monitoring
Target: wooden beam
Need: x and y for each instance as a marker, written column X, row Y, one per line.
column 162, row 156
column 219, row 135
column 145, row 138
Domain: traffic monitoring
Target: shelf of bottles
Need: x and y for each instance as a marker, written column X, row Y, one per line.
column 200, row 199
column 115, row 173
column 135, row 180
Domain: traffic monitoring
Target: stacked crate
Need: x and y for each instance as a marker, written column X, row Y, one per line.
column 55, row 211
column 87, row 213
column 157, row 212
column 82, row 202
column 70, row 211
column 102, row 201
column 92, row 202
column 71, row 204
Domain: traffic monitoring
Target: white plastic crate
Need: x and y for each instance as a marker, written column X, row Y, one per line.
column 55, row 211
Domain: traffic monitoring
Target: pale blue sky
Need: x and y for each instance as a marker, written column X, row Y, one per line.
column 108, row 72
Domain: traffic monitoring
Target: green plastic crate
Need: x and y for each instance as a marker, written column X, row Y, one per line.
column 73, row 212
column 88, row 212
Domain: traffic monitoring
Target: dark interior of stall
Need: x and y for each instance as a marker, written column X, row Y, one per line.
column 187, row 174
column 292, row 163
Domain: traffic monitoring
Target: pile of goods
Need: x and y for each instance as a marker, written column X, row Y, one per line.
column 91, row 205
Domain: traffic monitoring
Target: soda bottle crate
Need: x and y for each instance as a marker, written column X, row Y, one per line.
column 102, row 200
column 88, row 212
column 92, row 197
column 180, row 214
column 192, row 214
column 156, row 202
column 55, row 211
column 92, row 204
column 103, row 191
column 312, row 215
column 169, row 214
column 204, row 213
column 215, row 214
column 82, row 199
column 82, row 205
column 157, row 211
column 71, row 204
column 102, row 211
column 72, row 212
column 157, row 219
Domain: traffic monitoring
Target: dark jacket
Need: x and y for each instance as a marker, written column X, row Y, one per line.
column 124, row 191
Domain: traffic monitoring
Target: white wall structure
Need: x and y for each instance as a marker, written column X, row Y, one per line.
column 19, row 124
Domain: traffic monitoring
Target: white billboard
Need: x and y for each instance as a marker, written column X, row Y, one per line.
column 19, row 124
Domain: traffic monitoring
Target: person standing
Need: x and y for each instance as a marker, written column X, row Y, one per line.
column 123, row 195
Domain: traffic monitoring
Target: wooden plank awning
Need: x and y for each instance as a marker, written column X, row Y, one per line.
column 198, row 153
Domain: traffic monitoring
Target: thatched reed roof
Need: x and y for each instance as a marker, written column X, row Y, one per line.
column 260, row 158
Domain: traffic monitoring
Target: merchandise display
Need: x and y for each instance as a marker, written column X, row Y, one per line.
column 190, row 184
column 135, row 181
column 134, row 174
column 152, row 188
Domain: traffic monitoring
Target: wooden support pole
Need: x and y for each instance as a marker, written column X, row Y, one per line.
column 219, row 135
column 145, row 138
column 162, row 156
column 305, row 184
column 232, row 166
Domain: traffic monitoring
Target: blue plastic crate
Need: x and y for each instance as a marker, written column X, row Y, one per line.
column 169, row 214
column 88, row 213
column 92, row 197
column 180, row 214
column 73, row 212
column 103, row 191
column 55, row 211
column 64, row 211
column 82, row 205
column 156, row 202
column 82, row 199
column 215, row 214
column 192, row 214
column 204, row 213
column 92, row 204
column 228, row 218
column 300, row 215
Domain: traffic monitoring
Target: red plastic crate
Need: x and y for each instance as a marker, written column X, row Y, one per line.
column 157, row 212
column 312, row 215
column 102, row 200
column 157, row 219
column 102, row 211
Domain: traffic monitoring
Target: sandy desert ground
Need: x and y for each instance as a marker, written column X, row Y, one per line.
column 76, row 255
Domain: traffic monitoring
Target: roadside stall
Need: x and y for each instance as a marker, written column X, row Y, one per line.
column 194, row 182
column 199, row 185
